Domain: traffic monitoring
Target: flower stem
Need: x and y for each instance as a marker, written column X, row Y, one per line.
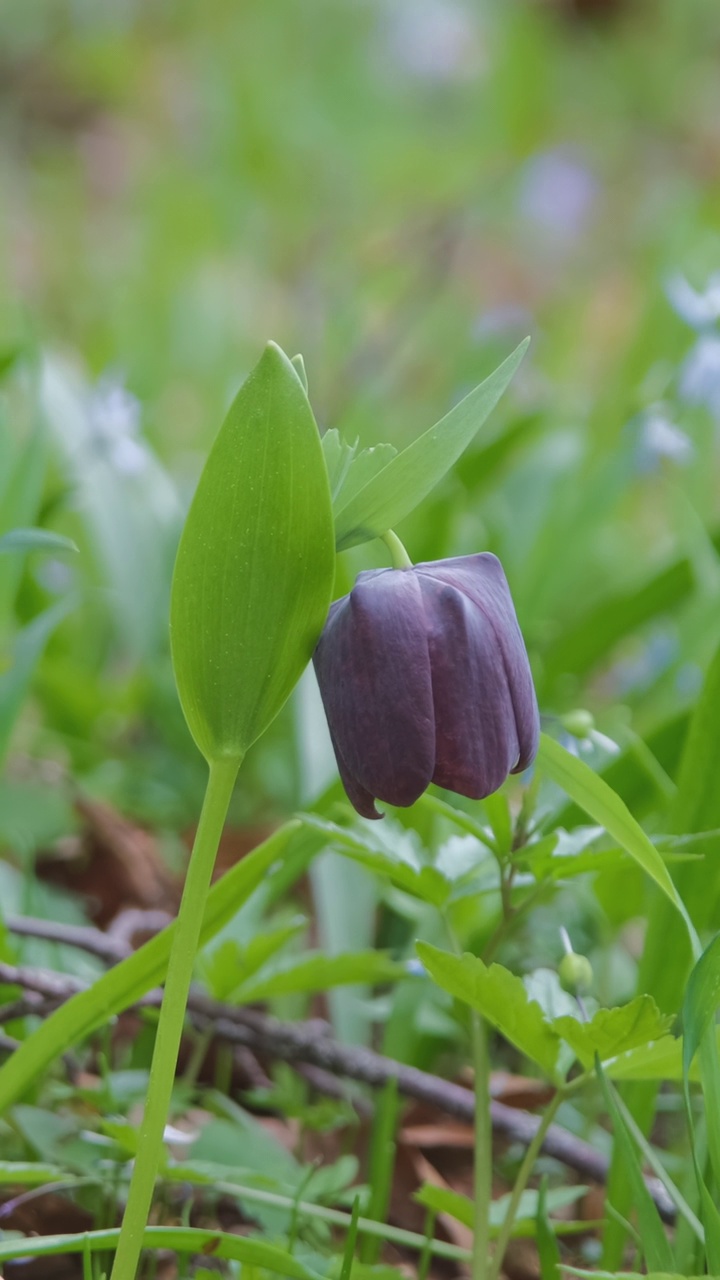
column 482, row 1182
column 172, row 1015
column 521, row 1181
column 398, row 554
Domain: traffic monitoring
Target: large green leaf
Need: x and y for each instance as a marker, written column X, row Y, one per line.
column 499, row 996
column 255, row 566
column 400, row 486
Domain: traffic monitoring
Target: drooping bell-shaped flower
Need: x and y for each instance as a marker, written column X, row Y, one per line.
column 425, row 678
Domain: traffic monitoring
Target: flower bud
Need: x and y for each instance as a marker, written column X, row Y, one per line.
column 575, row 973
column 579, row 723
column 425, row 678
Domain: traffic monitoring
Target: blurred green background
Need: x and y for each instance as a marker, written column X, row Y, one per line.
column 400, row 189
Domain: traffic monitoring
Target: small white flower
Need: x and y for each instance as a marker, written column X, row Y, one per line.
column 113, row 411
column 700, row 374
column 697, row 308
column 661, row 438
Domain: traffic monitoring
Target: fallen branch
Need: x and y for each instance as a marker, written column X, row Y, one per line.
column 312, row 1042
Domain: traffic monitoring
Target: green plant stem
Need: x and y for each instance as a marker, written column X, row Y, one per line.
column 521, row 1182
column 172, row 1016
column 482, row 1178
column 399, row 556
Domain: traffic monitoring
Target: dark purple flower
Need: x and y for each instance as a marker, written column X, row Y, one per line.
column 425, row 678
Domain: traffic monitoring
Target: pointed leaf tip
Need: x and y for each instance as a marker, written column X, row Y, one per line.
column 255, row 566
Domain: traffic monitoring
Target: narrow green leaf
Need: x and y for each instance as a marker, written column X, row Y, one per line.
column 20, row 1173
column 381, row 1165
column 298, row 365
column 350, row 1239
column 592, row 794
column 216, row 1244
column 631, row 1275
column 22, row 475
column 500, row 997
column 460, row 1207
column 656, row 1246
column 255, row 566
column 396, row 490
column 547, row 1245
column 702, row 997
column 319, row 972
column 229, row 965
column 36, row 540
column 27, row 649
column 129, row 980
column 614, row 1031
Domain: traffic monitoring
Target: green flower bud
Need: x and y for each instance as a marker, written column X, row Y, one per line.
column 579, row 723
column 575, row 973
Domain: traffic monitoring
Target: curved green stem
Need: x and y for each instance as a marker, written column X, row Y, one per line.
column 521, row 1182
column 399, row 556
column 172, row 1015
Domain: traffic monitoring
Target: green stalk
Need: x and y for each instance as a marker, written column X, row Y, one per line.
column 482, row 1178
column 398, row 554
column 172, row 1016
column 521, row 1182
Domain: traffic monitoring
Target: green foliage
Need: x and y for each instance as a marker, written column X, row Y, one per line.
column 131, row 978
column 403, row 222
column 365, row 510
column 255, row 565
column 501, row 998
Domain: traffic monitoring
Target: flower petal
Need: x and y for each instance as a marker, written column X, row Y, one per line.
column 482, row 579
column 373, row 669
column 476, row 742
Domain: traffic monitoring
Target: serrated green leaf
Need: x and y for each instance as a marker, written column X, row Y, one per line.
column 500, row 997
column 255, row 566
column 396, row 490
column 319, row 972
column 614, row 1031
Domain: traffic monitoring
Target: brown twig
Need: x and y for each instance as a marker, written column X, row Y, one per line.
column 312, row 1042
